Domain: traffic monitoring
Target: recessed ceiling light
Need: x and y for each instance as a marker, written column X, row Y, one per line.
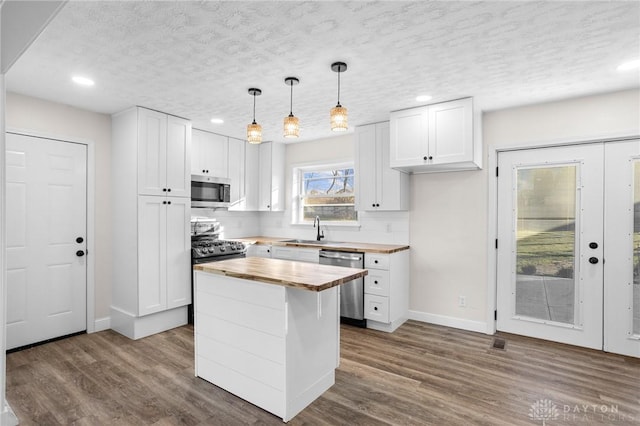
column 626, row 66
column 82, row 81
column 423, row 98
column 217, row 120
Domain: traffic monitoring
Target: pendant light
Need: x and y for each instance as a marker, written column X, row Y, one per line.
column 291, row 122
column 338, row 113
column 254, row 130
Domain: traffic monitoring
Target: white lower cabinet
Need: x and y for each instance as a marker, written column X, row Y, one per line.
column 386, row 290
column 271, row 345
column 259, row 250
column 296, row 253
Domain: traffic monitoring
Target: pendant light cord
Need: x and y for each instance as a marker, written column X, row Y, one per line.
column 291, row 103
column 254, row 108
column 339, row 86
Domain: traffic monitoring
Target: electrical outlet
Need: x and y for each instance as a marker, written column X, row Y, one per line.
column 462, row 301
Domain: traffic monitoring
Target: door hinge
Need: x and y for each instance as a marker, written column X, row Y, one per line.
column 496, row 172
column 495, row 315
column 496, row 243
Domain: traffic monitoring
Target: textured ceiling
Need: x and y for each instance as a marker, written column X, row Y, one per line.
column 197, row 59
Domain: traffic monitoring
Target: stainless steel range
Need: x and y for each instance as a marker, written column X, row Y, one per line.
column 210, row 249
column 206, row 246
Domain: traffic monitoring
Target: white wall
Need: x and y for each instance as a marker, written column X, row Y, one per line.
column 380, row 227
column 448, row 220
column 64, row 122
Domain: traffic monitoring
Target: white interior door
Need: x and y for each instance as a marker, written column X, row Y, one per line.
column 622, row 248
column 550, row 244
column 46, row 239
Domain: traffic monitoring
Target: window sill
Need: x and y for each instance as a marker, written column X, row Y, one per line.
column 355, row 225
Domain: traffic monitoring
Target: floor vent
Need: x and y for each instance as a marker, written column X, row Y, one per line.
column 499, row 343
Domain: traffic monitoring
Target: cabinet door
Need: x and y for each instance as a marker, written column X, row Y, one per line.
column 152, row 152
column 392, row 186
column 409, row 137
column 197, row 152
column 252, row 176
column 214, row 154
column 264, row 180
column 366, row 167
column 236, row 173
column 450, row 132
column 178, row 252
column 277, row 176
column 178, row 157
column 152, row 248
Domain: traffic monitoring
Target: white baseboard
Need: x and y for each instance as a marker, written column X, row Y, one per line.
column 7, row 417
column 464, row 324
column 102, row 324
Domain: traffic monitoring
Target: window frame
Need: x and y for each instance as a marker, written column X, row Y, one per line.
column 297, row 194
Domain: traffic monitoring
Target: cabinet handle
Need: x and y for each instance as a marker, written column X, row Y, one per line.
column 424, row 158
column 377, row 205
column 164, row 202
column 593, row 260
column 169, row 190
column 375, row 261
column 430, row 157
column 168, row 202
column 373, row 205
column 593, row 245
column 164, row 189
column 204, row 171
column 79, row 240
column 80, row 253
column 375, row 308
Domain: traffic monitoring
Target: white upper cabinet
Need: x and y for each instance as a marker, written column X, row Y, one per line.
column 209, row 154
column 435, row 138
column 379, row 187
column 237, row 173
column 271, row 185
column 164, row 154
column 251, row 177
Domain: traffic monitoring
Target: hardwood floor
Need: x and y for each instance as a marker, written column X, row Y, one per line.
column 422, row 374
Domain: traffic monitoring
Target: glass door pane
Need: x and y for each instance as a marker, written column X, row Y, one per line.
column 546, row 243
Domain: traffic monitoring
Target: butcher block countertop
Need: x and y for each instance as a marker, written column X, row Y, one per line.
column 306, row 276
column 329, row 245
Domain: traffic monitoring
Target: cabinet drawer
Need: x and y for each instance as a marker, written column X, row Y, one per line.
column 377, row 282
column 376, row 308
column 283, row 253
column 309, row 255
column 376, row 261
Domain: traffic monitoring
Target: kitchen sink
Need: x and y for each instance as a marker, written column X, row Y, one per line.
column 305, row 241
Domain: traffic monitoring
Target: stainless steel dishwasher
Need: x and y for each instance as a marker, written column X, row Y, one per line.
column 351, row 293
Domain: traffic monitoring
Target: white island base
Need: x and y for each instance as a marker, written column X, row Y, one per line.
column 272, row 345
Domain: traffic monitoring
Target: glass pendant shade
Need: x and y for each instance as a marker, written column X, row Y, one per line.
column 291, row 126
column 254, row 133
column 339, row 118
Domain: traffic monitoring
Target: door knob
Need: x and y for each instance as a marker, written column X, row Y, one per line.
column 79, row 240
column 593, row 245
column 593, row 260
column 80, row 253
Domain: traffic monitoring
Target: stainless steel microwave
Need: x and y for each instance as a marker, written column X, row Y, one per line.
column 210, row 192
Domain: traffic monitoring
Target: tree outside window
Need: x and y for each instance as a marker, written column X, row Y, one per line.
column 327, row 192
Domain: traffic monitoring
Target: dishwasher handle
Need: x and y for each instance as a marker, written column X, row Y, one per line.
column 340, row 255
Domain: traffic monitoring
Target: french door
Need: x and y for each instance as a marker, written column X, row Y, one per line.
column 46, row 216
column 567, row 268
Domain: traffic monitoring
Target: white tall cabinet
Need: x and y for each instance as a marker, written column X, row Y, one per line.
column 151, row 287
column 379, row 186
column 237, row 168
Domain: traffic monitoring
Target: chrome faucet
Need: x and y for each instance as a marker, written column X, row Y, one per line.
column 319, row 234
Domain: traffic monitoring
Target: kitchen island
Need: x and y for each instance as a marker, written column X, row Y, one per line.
column 268, row 330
